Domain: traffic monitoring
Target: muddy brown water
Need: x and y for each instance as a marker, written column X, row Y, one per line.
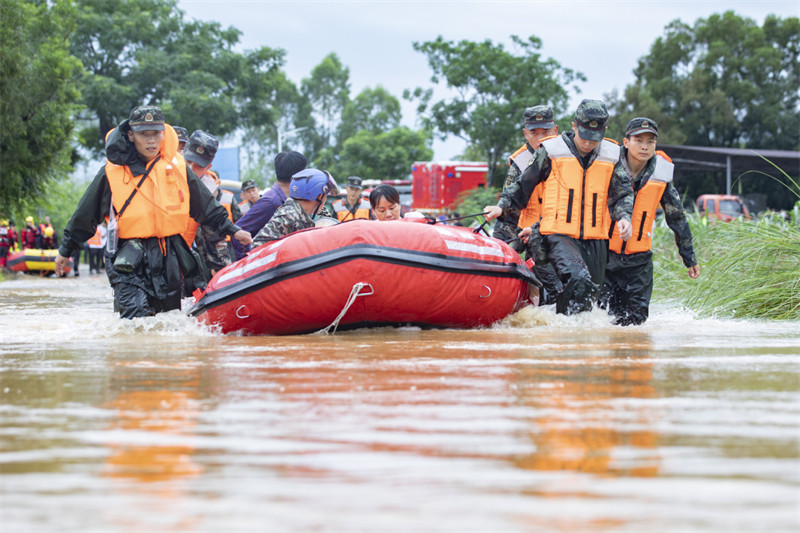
column 541, row 423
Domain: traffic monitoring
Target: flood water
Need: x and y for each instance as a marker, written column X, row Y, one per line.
column 541, row 423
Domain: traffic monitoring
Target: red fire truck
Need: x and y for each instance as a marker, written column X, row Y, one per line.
column 437, row 183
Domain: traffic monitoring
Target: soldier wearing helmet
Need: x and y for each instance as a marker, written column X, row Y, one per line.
column 308, row 192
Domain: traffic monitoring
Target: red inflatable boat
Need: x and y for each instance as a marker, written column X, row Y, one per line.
column 366, row 273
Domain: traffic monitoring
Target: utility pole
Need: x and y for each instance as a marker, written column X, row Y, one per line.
column 283, row 134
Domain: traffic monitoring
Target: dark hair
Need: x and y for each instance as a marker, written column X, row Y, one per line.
column 383, row 191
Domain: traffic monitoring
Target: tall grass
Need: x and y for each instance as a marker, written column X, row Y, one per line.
column 749, row 269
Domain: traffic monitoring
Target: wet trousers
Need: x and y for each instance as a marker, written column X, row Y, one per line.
column 581, row 266
column 628, row 287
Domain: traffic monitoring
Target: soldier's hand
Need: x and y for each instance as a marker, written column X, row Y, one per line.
column 525, row 234
column 243, row 237
column 694, row 271
column 492, row 211
column 625, row 229
column 61, row 264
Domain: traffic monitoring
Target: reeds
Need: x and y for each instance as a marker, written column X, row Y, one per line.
column 749, row 269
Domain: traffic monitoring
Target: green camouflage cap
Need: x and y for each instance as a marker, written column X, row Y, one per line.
column 354, row 181
column 146, row 118
column 641, row 125
column 249, row 184
column 183, row 134
column 201, row 148
column 539, row 116
column 591, row 117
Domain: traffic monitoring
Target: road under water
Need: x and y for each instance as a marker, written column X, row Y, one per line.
column 541, row 423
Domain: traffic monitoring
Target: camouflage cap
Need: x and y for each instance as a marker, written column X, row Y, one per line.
column 183, row 134
column 539, row 116
column 249, row 184
column 201, row 148
column 146, row 118
column 354, row 181
column 641, row 125
column 591, row 118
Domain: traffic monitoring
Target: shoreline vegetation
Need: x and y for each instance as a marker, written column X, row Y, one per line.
column 749, row 268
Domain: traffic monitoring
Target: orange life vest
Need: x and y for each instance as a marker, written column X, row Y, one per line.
column 531, row 213
column 344, row 214
column 96, row 239
column 575, row 201
column 644, row 211
column 160, row 207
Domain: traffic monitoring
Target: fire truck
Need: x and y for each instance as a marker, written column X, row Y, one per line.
column 438, row 183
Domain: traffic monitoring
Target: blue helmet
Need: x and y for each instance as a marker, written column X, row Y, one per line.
column 308, row 184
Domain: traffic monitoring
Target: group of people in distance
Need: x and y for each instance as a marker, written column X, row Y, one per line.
column 564, row 198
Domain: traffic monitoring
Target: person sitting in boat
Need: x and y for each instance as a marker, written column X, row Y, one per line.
column 308, row 192
column 29, row 236
column 385, row 202
column 49, row 239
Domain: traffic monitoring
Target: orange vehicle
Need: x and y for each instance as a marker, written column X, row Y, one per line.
column 725, row 207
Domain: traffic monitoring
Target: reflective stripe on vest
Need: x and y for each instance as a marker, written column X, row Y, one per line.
column 344, row 214
column 160, row 208
column 644, row 211
column 244, row 207
column 97, row 238
column 575, row 201
column 531, row 213
column 521, row 158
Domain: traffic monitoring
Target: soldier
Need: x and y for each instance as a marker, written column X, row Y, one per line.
column 149, row 193
column 308, row 192
column 538, row 123
column 199, row 154
column 183, row 138
column 578, row 204
column 250, row 196
column 353, row 206
column 629, row 272
column 287, row 164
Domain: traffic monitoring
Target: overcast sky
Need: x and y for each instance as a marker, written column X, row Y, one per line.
column 601, row 39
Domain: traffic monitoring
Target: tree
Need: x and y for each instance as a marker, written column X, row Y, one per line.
column 724, row 82
column 374, row 110
column 492, row 88
column 387, row 155
column 37, row 91
column 144, row 52
column 326, row 93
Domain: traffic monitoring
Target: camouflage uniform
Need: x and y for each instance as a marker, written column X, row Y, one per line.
column 213, row 247
column 287, row 219
column 579, row 263
column 628, row 284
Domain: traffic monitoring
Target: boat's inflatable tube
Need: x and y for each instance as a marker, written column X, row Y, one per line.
column 33, row 259
column 368, row 273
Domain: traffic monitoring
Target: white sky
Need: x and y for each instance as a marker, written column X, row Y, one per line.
column 601, row 39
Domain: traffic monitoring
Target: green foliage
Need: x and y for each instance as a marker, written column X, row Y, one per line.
column 723, row 82
column 472, row 202
column 37, row 95
column 491, row 88
column 373, row 110
column 326, row 93
column 387, row 155
column 749, row 268
column 144, row 52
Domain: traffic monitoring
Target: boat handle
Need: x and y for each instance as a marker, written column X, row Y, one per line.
column 241, row 316
column 488, row 289
column 364, row 285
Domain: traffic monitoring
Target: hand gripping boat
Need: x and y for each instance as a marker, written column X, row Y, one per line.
column 366, row 273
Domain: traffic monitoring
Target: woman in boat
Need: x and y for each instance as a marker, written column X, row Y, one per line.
column 385, row 202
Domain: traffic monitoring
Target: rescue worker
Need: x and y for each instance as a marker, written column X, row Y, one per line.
column 538, row 123
column 286, row 164
column 49, row 240
column 578, row 205
column 308, row 192
column 8, row 238
column 30, row 235
column 250, row 195
column 149, row 193
column 629, row 272
column 183, row 137
column 212, row 246
column 96, row 244
column 353, row 206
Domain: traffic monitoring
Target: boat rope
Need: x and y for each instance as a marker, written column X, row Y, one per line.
column 354, row 293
